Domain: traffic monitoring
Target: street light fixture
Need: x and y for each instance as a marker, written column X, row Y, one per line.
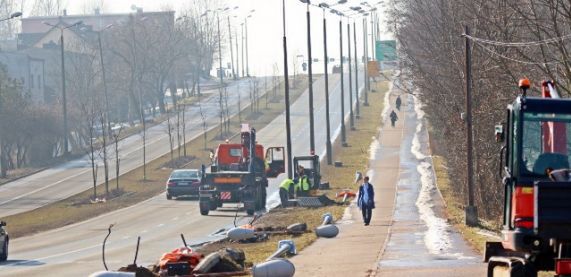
column 64, row 96
column 14, row 15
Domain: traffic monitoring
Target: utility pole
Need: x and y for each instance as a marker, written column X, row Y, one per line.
column 326, row 69
column 287, row 108
column 471, row 210
column 343, row 134
column 231, row 49
column 237, row 55
column 243, row 62
column 365, row 62
column 220, row 52
column 351, row 119
column 64, row 99
column 247, row 57
column 310, row 62
column 357, row 109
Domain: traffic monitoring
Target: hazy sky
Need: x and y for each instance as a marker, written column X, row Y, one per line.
column 264, row 27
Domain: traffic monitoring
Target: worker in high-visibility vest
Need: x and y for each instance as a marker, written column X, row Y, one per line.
column 303, row 184
column 285, row 187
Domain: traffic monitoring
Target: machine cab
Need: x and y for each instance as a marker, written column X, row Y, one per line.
column 275, row 161
column 311, row 168
column 537, row 140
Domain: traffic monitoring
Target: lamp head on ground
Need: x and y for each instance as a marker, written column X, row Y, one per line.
column 16, row 14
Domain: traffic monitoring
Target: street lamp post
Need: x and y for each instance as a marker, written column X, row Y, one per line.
column 287, row 108
column 343, row 134
column 365, row 62
column 357, row 109
column 64, row 95
column 351, row 119
column 106, row 95
column 247, row 56
column 231, row 49
column 310, row 73
column 326, row 64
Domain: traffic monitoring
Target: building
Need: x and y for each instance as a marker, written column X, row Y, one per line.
column 28, row 72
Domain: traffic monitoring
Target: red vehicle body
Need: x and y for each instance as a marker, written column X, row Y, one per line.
column 237, row 177
column 536, row 233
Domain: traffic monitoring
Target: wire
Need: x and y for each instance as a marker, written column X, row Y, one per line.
column 514, row 60
column 518, row 44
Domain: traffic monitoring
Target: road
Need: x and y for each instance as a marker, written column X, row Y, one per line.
column 73, row 177
column 75, row 250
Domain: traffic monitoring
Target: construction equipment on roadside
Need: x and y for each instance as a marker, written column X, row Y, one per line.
column 311, row 168
column 537, row 219
column 239, row 174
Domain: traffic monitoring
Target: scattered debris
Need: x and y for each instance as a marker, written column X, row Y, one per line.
column 327, row 229
column 346, row 194
column 180, row 261
column 297, row 228
column 274, row 268
column 284, row 247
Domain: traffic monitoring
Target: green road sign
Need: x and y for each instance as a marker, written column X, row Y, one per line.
column 386, row 50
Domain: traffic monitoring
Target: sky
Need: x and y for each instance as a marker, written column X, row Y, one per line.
column 265, row 31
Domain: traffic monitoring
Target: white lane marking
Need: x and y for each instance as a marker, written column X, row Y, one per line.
column 44, row 188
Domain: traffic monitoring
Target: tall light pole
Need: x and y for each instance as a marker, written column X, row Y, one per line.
column 343, row 134
column 365, row 61
column 326, row 69
column 64, row 96
column 351, row 119
column 231, row 49
column 310, row 76
column 243, row 61
column 286, row 85
column 247, row 52
column 357, row 109
column 106, row 95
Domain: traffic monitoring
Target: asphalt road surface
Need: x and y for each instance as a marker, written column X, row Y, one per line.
column 73, row 177
column 75, row 250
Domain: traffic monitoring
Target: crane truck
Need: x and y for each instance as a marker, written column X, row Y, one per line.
column 239, row 174
column 536, row 234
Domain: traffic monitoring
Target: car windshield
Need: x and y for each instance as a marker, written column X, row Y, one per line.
column 546, row 141
column 186, row 174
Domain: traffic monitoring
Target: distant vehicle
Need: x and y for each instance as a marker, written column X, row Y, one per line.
column 3, row 242
column 183, row 182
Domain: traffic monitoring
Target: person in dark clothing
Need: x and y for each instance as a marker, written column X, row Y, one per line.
column 394, row 118
column 366, row 200
column 398, row 102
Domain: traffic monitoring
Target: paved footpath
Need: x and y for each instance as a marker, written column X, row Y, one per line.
column 357, row 248
column 407, row 236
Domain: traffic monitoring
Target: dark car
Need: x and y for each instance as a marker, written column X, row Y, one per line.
column 3, row 242
column 183, row 182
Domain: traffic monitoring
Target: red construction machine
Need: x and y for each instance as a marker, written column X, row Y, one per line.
column 239, row 174
column 536, row 233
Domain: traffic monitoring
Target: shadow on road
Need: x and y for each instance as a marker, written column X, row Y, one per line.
column 14, row 263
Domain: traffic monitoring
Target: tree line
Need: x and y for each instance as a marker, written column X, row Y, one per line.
column 511, row 39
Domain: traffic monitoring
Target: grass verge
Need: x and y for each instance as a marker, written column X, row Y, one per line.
column 132, row 189
column 354, row 157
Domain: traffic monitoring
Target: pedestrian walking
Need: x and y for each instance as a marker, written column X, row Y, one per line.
column 366, row 200
column 285, row 188
column 394, row 118
column 398, row 102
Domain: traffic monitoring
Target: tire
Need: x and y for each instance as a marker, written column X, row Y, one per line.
column 213, row 205
column 169, row 197
column 250, row 212
column 204, row 212
column 4, row 255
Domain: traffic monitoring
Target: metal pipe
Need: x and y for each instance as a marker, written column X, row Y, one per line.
column 343, row 134
column 310, row 62
column 351, row 119
column 287, row 104
column 326, row 64
column 284, row 247
column 357, row 109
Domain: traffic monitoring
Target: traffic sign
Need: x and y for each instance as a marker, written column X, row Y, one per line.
column 386, row 50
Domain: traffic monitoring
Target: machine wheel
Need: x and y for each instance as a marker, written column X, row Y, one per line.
column 204, row 211
column 250, row 212
column 169, row 197
column 511, row 270
column 4, row 255
column 214, row 205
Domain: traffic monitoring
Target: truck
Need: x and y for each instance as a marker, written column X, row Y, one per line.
column 239, row 174
column 536, row 233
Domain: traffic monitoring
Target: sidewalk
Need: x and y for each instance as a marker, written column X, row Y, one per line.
column 357, row 248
